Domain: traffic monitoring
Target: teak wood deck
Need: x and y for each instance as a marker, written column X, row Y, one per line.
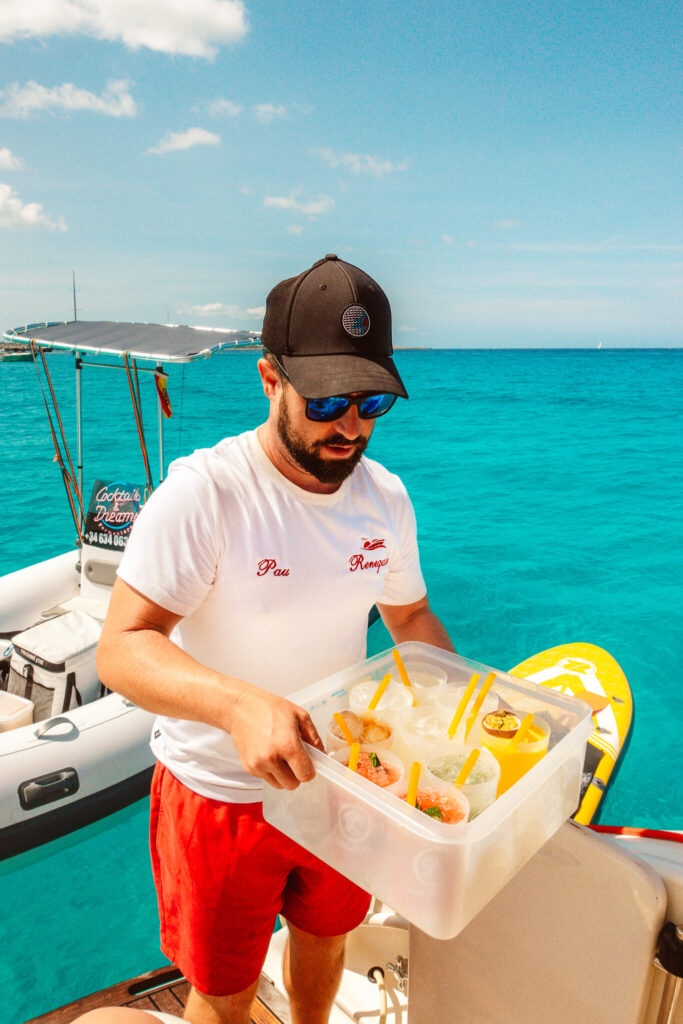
column 165, row 990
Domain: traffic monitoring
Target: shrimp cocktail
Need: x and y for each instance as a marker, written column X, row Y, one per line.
column 517, row 742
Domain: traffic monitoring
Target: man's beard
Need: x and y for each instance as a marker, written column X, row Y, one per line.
column 306, row 454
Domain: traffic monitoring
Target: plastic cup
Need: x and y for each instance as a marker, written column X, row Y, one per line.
column 449, row 698
column 515, row 759
column 453, row 805
column 482, row 782
column 368, row 739
column 421, row 734
column 426, row 680
column 394, row 701
column 393, row 766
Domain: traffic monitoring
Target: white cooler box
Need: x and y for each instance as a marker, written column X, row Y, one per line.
column 53, row 664
column 438, row 876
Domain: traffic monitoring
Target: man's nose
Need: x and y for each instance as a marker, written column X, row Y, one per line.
column 349, row 423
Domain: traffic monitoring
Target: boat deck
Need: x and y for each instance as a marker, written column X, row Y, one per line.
column 165, row 990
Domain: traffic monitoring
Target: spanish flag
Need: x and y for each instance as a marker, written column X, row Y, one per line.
column 160, row 380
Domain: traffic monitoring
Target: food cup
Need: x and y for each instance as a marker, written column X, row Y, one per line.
column 393, row 702
column 371, row 730
column 425, row 680
column 482, row 782
column 421, row 734
column 452, row 806
column 388, row 761
column 515, row 758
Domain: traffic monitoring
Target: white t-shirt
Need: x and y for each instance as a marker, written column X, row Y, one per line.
column 274, row 583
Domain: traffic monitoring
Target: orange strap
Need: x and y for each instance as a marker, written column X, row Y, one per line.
column 137, row 409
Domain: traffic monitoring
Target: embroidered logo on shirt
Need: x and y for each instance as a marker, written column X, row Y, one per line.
column 372, row 545
column 267, row 565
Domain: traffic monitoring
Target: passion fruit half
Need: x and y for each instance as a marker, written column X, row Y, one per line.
column 502, row 724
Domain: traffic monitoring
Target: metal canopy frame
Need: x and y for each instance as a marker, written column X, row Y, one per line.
column 155, row 343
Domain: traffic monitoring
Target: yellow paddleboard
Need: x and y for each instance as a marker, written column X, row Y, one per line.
column 591, row 674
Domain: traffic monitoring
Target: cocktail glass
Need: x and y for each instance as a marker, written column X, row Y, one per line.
column 515, row 758
column 482, row 782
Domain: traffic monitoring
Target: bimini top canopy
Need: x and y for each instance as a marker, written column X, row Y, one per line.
column 158, row 342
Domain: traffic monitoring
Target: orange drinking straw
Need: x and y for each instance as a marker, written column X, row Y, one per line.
column 527, row 722
column 379, row 692
column 401, row 669
column 488, row 683
column 346, row 732
column 415, row 770
column 468, row 766
column 353, row 757
column 453, row 727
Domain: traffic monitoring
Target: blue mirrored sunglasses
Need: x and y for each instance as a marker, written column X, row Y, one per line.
column 323, row 410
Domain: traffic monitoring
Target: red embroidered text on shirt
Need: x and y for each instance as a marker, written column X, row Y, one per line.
column 358, row 562
column 265, row 566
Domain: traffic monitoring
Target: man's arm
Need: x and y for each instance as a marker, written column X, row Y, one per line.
column 415, row 622
column 137, row 659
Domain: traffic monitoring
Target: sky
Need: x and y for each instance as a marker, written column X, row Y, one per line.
column 510, row 173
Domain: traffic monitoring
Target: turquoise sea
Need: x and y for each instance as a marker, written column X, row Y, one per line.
column 548, row 489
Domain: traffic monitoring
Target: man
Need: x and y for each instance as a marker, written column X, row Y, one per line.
column 244, row 580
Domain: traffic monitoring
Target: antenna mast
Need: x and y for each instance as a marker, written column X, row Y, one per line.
column 73, row 277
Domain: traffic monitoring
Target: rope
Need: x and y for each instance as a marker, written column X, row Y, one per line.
column 137, row 409
column 69, row 481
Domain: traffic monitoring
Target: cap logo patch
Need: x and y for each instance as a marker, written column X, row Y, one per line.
column 355, row 321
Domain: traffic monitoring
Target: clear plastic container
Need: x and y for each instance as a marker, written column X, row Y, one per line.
column 437, row 876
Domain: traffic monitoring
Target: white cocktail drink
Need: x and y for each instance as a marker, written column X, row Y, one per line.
column 482, row 781
column 448, row 698
column 421, row 734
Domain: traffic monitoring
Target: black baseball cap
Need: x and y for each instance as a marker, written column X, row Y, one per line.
column 330, row 329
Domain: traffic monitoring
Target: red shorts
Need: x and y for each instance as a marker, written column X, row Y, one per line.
column 222, row 876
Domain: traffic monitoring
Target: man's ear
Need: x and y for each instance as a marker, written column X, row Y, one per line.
column 270, row 379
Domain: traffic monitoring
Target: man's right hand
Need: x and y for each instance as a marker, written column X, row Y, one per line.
column 268, row 732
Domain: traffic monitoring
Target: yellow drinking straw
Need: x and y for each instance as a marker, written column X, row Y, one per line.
column 346, row 732
column 468, row 766
column 379, row 692
column 453, row 727
column 411, row 797
column 481, row 697
column 527, row 722
column 401, row 669
column 353, row 757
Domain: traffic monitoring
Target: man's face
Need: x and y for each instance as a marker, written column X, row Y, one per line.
column 328, row 451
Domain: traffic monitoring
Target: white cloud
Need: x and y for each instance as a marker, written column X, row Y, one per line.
column 173, row 141
column 227, row 309
column 360, row 164
column 447, row 239
column 310, row 207
column 267, row 112
column 169, row 26
column 224, row 108
column 246, row 190
column 295, row 229
column 17, row 215
column 407, row 330
column 22, row 101
column 8, row 161
column 506, row 224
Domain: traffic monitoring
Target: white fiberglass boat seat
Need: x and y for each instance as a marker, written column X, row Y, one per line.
column 571, row 938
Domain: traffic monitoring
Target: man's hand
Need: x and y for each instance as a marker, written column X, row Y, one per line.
column 268, row 732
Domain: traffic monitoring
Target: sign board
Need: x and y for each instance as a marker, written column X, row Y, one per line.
column 113, row 508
